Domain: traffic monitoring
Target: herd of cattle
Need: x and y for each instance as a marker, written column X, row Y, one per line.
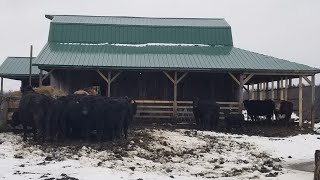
column 79, row 116
column 207, row 113
column 73, row 116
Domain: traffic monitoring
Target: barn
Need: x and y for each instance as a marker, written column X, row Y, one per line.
column 17, row 68
column 163, row 63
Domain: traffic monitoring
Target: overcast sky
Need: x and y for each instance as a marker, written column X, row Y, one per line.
column 287, row 29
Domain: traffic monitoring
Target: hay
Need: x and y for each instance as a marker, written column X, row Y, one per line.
column 46, row 90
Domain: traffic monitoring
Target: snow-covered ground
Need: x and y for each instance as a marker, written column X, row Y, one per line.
column 160, row 154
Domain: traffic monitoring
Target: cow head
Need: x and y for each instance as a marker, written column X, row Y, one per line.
column 26, row 89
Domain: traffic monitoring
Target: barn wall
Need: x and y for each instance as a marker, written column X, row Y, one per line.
column 150, row 85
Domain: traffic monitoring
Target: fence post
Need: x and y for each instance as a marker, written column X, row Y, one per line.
column 317, row 165
column 3, row 113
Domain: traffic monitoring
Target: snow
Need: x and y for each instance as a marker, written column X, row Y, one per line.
column 160, row 154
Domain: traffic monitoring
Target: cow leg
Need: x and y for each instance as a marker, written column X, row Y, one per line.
column 34, row 130
column 25, row 129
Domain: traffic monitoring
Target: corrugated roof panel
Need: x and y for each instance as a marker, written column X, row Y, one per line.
column 140, row 21
column 128, row 30
column 163, row 58
column 17, row 66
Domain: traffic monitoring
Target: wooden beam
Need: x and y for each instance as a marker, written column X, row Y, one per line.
column 279, row 74
column 109, row 84
column 258, row 92
column 40, row 77
column 175, row 94
column 267, row 91
column 272, row 90
column 184, row 75
column 2, row 85
column 115, row 76
column 234, row 78
column 238, row 82
column 248, row 78
column 278, row 90
column 103, row 76
column 307, row 79
column 170, row 78
column 312, row 100
column 30, row 65
column 300, row 101
column 281, row 89
column 48, row 74
column 286, row 82
column 241, row 92
column 252, row 89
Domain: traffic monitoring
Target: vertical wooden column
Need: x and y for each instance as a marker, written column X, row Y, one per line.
column 272, row 90
column 313, row 87
column 252, row 94
column 30, row 64
column 40, row 77
column 108, row 80
column 2, row 85
column 258, row 92
column 241, row 92
column 175, row 94
column 175, row 82
column 289, row 88
column 286, row 89
column 281, row 89
column 300, row 101
column 278, row 90
column 267, row 91
column 109, row 84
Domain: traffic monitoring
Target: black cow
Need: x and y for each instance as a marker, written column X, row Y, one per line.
column 283, row 111
column 234, row 120
column 206, row 113
column 34, row 111
column 257, row 108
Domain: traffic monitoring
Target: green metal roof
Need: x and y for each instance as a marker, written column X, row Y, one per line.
column 184, row 58
column 17, row 67
column 138, row 30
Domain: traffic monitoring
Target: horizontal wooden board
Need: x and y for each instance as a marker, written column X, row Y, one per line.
column 155, row 112
column 152, row 101
column 154, row 107
column 154, row 117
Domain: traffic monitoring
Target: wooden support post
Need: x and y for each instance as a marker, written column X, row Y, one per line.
column 175, row 80
column 272, row 90
column 175, row 94
column 109, row 84
column 286, row 89
column 40, row 77
column 241, row 93
column 300, row 101
column 30, row 64
column 317, row 165
column 267, row 90
column 1, row 85
column 313, row 86
column 258, row 92
column 109, row 80
column 252, row 93
column 278, row 90
column 238, row 82
column 289, row 88
column 281, row 89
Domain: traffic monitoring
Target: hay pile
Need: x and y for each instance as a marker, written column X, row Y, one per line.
column 47, row 90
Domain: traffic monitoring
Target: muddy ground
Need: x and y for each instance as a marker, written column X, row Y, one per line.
column 171, row 149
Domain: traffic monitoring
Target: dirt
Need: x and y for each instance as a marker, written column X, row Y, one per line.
column 144, row 144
